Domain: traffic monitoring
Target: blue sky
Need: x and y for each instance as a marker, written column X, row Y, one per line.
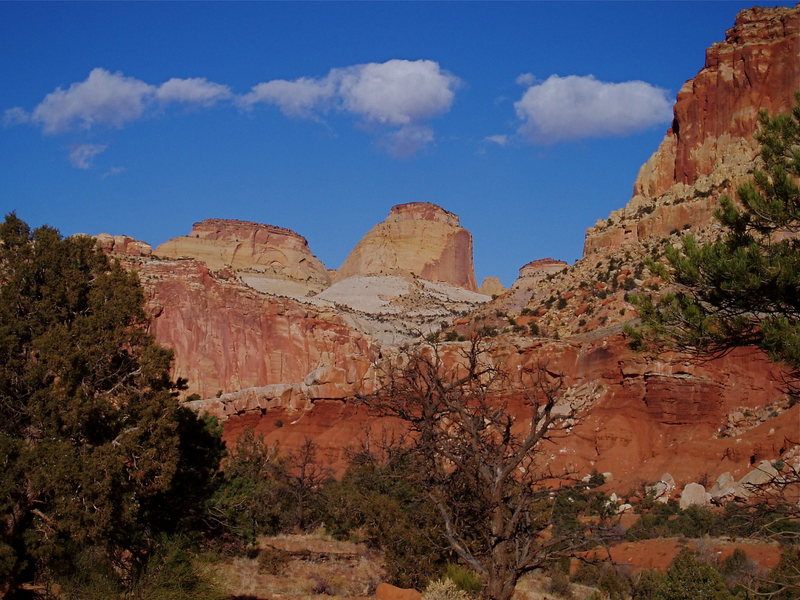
column 528, row 120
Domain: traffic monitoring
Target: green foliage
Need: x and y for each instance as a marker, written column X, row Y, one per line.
column 744, row 288
column 464, row 579
column 96, row 452
column 689, row 579
column 174, row 574
column 783, row 582
column 380, row 500
column 647, row 585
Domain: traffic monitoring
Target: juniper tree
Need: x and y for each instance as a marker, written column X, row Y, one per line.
column 96, row 454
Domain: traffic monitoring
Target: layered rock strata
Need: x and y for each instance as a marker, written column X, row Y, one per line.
column 709, row 150
column 418, row 239
column 262, row 255
column 228, row 337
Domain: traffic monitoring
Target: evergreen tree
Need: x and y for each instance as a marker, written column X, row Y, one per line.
column 95, row 451
column 743, row 288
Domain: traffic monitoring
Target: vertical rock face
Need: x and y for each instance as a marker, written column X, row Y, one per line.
column 228, row 337
column 709, row 149
column 262, row 251
column 419, row 239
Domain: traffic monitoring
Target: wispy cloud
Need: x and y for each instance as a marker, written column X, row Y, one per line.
column 575, row 107
column 399, row 95
column 500, row 139
column 82, row 156
column 113, row 171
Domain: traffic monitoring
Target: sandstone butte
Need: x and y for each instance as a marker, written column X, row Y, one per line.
column 291, row 369
column 263, row 250
column 419, row 239
column 709, row 149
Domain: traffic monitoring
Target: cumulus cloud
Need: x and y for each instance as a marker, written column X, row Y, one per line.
column 394, row 99
column 196, row 90
column 298, row 98
column 575, row 107
column 104, row 98
column 82, row 156
column 398, row 94
column 113, row 100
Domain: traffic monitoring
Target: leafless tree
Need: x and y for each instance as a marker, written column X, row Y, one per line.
column 487, row 466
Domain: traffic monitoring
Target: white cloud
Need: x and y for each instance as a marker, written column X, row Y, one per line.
column 574, row 107
column 525, row 79
column 82, row 156
column 399, row 94
column 112, row 100
column 500, row 139
column 197, row 90
column 298, row 98
column 15, row 116
column 103, row 99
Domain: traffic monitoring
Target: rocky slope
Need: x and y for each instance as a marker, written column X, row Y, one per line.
column 419, row 239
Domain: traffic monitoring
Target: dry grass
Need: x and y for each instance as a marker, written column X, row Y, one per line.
column 316, row 566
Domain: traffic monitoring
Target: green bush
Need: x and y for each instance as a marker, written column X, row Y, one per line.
column 464, row 578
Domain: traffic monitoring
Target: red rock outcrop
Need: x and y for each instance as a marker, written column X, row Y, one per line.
column 228, row 337
column 261, row 251
column 710, row 149
column 417, row 238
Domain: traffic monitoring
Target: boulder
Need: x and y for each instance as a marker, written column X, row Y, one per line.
column 724, row 486
column 750, row 483
column 386, row 591
column 694, row 494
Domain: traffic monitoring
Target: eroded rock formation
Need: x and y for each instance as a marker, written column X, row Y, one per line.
column 263, row 255
column 710, row 149
column 419, row 239
column 228, row 337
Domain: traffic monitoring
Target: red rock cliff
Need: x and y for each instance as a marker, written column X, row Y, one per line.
column 709, row 149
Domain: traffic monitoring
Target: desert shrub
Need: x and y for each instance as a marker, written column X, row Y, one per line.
column 465, row 579
column 615, row 585
column 783, row 582
column 444, row 589
column 687, row 579
column 559, row 583
column 272, row 560
column 379, row 500
column 647, row 585
column 174, row 574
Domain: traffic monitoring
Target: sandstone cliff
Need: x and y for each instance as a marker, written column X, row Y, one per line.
column 419, row 239
column 227, row 337
column 710, row 149
column 266, row 257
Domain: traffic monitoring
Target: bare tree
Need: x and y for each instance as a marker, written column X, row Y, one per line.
column 487, row 470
